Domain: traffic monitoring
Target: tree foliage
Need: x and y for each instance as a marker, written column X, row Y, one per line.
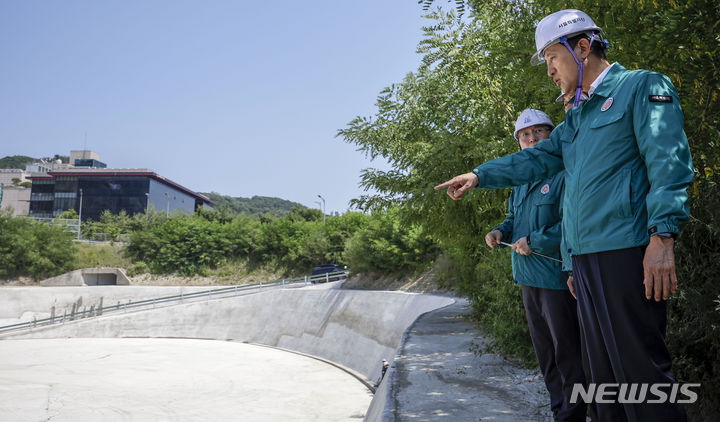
column 386, row 245
column 34, row 249
column 293, row 244
column 458, row 4
column 111, row 226
column 184, row 244
column 15, row 161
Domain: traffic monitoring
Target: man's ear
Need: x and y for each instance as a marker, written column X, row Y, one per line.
column 582, row 49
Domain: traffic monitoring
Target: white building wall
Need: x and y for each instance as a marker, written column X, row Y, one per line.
column 165, row 198
column 83, row 154
column 17, row 199
column 7, row 176
column 38, row 167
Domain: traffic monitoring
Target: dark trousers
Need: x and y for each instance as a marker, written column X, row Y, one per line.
column 553, row 323
column 623, row 332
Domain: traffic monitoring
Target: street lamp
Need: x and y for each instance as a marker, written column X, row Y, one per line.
column 80, row 215
column 323, row 207
column 167, row 208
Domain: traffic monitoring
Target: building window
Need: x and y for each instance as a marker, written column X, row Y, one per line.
column 41, row 196
column 65, row 195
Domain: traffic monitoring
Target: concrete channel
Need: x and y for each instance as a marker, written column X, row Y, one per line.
column 348, row 329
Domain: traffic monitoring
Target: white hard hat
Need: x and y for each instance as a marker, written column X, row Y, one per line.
column 530, row 117
column 567, row 23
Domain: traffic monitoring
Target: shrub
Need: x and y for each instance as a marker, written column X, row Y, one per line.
column 35, row 249
column 183, row 244
column 387, row 245
column 137, row 269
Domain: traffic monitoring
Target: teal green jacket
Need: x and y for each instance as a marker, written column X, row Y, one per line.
column 534, row 211
column 627, row 164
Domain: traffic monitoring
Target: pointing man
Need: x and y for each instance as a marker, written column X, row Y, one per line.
column 628, row 166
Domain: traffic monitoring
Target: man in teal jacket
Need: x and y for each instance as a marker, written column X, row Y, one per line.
column 533, row 224
column 628, row 165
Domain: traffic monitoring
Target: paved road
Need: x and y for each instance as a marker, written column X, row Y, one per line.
column 437, row 377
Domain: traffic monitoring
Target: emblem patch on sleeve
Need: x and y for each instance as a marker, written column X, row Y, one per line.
column 661, row 99
column 545, row 189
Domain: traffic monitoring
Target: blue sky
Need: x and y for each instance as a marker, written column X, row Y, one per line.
column 241, row 98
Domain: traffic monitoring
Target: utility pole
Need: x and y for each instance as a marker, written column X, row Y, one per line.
column 80, row 214
column 147, row 206
column 323, row 207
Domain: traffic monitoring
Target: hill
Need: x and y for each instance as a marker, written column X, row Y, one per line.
column 19, row 161
column 257, row 205
column 15, row 162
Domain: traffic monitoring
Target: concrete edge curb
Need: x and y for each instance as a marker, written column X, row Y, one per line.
column 388, row 386
column 351, row 372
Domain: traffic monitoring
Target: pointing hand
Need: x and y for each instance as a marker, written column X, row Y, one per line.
column 459, row 185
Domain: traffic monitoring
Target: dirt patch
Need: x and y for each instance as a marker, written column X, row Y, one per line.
column 22, row 281
column 373, row 281
column 427, row 282
column 171, row 280
column 212, row 280
column 176, row 280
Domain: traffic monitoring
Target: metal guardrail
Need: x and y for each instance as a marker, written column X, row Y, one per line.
column 175, row 299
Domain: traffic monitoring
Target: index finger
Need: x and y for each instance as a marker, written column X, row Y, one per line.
column 444, row 185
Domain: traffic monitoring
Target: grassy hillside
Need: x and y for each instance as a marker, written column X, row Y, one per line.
column 101, row 255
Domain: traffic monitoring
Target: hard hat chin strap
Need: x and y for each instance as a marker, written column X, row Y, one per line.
column 581, row 65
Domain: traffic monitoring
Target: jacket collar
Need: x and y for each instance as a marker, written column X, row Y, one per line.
column 597, row 83
column 605, row 87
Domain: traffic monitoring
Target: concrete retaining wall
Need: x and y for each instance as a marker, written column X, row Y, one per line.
column 356, row 329
column 20, row 304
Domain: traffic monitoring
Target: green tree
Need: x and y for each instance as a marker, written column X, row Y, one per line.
column 386, row 245
column 338, row 230
column 70, row 214
column 184, row 244
column 456, row 111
